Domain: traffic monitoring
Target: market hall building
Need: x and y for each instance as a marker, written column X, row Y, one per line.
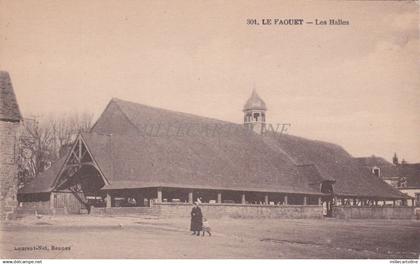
column 140, row 156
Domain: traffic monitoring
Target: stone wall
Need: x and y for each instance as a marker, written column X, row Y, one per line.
column 8, row 170
column 241, row 210
column 174, row 210
column 41, row 207
column 374, row 212
column 124, row 211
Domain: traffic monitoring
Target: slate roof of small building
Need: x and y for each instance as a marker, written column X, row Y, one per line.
column 9, row 108
column 44, row 182
column 409, row 171
column 139, row 146
column 373, row 161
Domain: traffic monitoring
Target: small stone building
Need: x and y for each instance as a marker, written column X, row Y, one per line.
column 10, row 119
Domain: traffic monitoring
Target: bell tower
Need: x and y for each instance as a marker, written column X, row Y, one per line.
column 254, row 113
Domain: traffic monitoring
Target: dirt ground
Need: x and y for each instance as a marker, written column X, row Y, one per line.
column 147, row 237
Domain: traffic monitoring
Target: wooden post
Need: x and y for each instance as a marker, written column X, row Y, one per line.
column 51, row 200
column 266, row 199
column 108, row 200
column 159, row 195
column 319, row 200
column 413, row 204
column 393, row 203
column 219, row 197
column 243, row 200
column 376, row 202
column 305, row 200
column 286, row 202
column 190, row 197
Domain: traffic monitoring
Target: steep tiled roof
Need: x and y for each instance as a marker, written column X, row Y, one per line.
column 208, row 153
column 9, row 108
column 333, row 162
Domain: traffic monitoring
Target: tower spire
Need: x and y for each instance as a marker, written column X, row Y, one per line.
column 254, row 112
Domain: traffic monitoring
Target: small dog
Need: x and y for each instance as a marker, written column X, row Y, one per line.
column 206, row 227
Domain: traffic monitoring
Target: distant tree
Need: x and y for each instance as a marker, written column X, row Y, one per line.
column 66, row 128
column 395, row 159
column 41, row 141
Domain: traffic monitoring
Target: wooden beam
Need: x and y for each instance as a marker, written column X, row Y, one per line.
column 219, row 197
column 286, row 200
column 305, row 200
column 80, row 150
column 243, row 199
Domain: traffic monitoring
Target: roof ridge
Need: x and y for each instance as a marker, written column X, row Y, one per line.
column 118, row 100
column 124, row 113
column 276, row 148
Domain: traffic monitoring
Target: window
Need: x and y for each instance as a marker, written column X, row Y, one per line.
column 376, row 171
column 256, row 116
column 402, row 183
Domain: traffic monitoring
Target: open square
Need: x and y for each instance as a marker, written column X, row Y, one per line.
column 134, row 237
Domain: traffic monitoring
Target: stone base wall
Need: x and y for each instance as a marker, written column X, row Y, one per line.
column 8, row 172
column 124, row 211
column 42, row 207
column 214, row 211
column 242, row 210
column 374, row 212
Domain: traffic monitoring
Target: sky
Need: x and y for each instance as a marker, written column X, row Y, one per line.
column 356, row 85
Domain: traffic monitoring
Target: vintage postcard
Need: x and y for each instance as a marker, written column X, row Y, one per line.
column 209, row 130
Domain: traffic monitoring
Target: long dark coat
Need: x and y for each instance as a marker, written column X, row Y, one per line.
column 196, row 219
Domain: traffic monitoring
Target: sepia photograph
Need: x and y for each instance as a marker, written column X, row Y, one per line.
column 209, row 130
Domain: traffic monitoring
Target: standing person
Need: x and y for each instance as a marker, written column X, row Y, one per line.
column 196, row 220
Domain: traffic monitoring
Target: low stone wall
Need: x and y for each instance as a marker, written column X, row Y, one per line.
column 240, row 210
column 123, row 211
column 41, row 207
column 169, row 210
column 374, row 212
